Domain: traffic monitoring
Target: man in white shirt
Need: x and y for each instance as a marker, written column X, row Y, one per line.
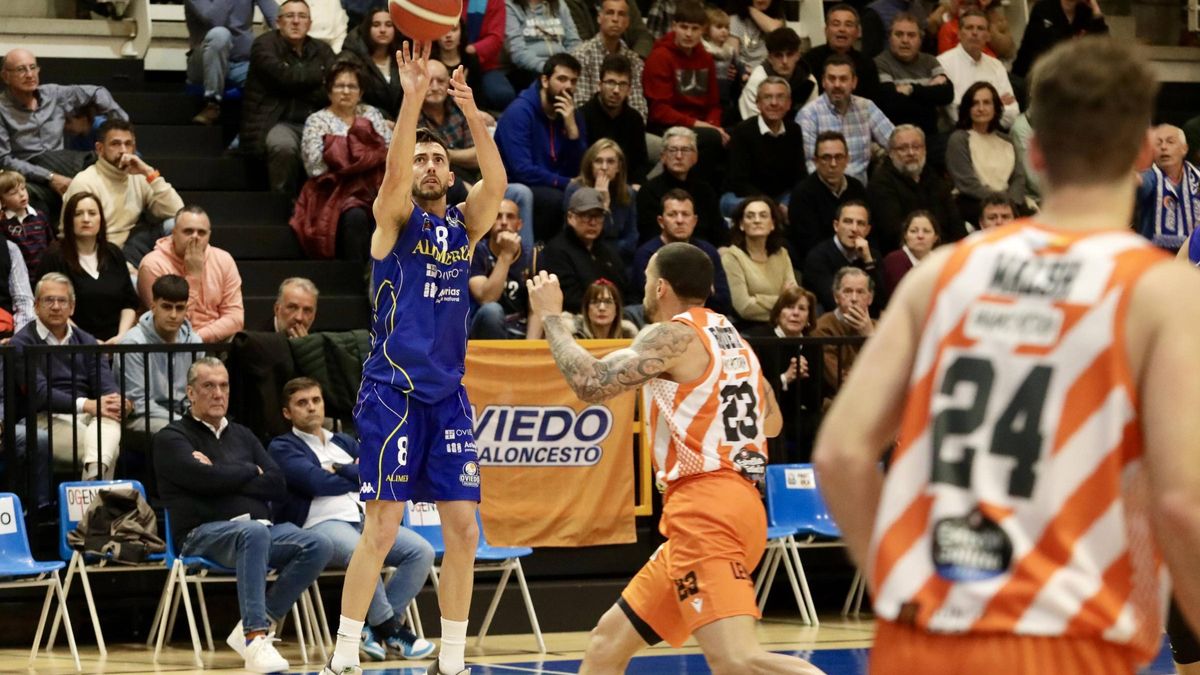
column 321, row 469
column 966, row 64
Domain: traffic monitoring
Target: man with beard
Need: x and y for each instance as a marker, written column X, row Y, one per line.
column 614, row 21
column 412, row 415
column 714, row 412
column 541, row 137
column 858, row 119
column 906, row 183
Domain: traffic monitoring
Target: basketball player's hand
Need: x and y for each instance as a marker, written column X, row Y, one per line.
column 545, row 295
column 412, row 60
column 462, row 93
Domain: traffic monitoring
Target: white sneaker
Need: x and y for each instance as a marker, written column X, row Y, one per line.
column 261, row 656
column 237, row 640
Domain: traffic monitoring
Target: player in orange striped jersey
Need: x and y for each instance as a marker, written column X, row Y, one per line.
column 710, row 412
column 1041, row 377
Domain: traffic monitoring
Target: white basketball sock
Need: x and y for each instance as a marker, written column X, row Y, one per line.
column 345, row 652
column 451, row 658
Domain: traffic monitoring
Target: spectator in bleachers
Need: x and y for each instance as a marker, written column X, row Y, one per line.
column 499, row 269
column 483, row 32
column 579, row 256
column 165, row 324
column 16, row 296
column 995, row 211
column 139, row 204
column 858, row 119
column 219, row 36
column 603, row 168
column 637, row 36
column 535, row 30
column 32, row 116
column 681, row 84
column 440, row 113
column 783, row 60
column 848, row 247
column 750, row 22
column 295, row 307
column 998, row 42
column 854, row 290
column 677, row 222
column 601, row 316
column 374, row 45
column 921, row 233
column 344, row 147
column 329, row 22
column 913, row 86
column 218, row 482
column 614, row 21
column 679, row 157
column 906, row 183
column 608, row 114
column 23, row 225
column 1168, row 204
column 879, row 17
column 967, row 64
column 724, row 50
column 819, row 196
column 97, row 270
column 979, row 156
column 659, row 16
column 1052, row 22
column 756, row 262
column 284, row 87
column 321, row 469
column 75, row 383
column 542, row 139
column 842, row 30
column 766, row 152
column 452, row 52
column 215, row 286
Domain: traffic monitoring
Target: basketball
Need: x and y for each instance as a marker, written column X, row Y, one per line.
column 425, row 20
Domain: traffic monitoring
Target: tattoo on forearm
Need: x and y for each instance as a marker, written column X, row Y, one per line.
column 594, row 380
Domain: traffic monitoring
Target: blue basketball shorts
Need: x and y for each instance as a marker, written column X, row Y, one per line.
column 411, row 450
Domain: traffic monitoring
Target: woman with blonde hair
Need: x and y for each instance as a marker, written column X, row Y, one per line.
column 604, row 168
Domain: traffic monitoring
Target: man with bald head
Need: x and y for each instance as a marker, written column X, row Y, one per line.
column 1168, row 203
column 32, row 116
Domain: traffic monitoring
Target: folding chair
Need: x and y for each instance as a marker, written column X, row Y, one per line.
column 199, row 571
column 20, row 570
column 73, row 500
column 794, row 501
column 505, row 560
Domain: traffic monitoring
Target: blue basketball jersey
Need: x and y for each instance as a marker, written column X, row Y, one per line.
column 419, row 309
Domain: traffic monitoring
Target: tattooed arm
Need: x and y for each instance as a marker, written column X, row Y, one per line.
column 654, row 351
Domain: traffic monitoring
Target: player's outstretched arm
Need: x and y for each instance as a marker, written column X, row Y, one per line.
column 655, row 350
column 394, row 204
column 483, row 201
column 866, row 413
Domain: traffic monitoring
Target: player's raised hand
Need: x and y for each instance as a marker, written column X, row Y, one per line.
column 412, row 60
column 462, row 93
column 545, row 295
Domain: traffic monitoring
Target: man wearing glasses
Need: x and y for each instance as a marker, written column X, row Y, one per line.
column 284, row 86
column 822, row 193
column 679, row 156
column 32, row 116
column 613, row 20
column 609, row 112
column 219, row 36
column 579, row 257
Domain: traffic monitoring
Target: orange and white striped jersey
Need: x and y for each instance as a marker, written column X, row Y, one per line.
column 1015, row 499
column 715, row 421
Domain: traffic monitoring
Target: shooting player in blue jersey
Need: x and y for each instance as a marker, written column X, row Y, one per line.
column 412, row 415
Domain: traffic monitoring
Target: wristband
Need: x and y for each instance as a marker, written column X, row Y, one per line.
column 152, row 176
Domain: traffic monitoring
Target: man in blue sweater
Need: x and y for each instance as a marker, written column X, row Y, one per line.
column 321, row 469
column 542, row 139
column 218, row 482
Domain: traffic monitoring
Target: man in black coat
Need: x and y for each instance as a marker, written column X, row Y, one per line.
column 906, row 183
column 766, row 152
column 815, row 200
column 609, row 115
column 285, row 85
column 579, row 257
column 679, row 155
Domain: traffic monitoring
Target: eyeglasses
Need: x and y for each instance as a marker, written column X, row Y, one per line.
column 345, row 87
column 54, row 301
column 831, row 158
column 677, row 150
column 615, row 84
column 25, row 70
column 604, row 302
column 294, row 16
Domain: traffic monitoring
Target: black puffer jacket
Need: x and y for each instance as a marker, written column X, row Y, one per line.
column 282, row 86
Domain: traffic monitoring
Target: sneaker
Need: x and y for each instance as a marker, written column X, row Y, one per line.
column 417, row 649
column 237, row 640
column 261, row 656
column 348, row 670
column 433, row 669
column 369, row 648
column 209, row 115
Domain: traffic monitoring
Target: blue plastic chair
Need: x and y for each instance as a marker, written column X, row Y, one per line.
column 20, row 570
column 73, row 499
column 503, row 559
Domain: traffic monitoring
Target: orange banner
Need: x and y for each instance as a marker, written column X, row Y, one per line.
column 556, row 471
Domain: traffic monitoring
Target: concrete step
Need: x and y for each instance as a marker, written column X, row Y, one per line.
column 334, row 277
column 210, row 173
column 243, row 209
column 166, row 140
column 264, row 242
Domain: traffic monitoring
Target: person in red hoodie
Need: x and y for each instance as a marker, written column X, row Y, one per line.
column 680, row 79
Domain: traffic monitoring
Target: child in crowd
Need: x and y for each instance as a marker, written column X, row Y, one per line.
column 24, row 225
column 724, row 50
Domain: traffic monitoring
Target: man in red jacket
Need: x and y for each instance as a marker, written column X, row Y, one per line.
column 680, row 79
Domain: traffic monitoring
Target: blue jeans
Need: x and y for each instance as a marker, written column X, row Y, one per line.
column 209, row 64
column 411, row 555
column 252, row 549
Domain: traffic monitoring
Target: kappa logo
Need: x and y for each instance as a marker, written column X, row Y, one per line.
column 698, row 604
column 366, row 489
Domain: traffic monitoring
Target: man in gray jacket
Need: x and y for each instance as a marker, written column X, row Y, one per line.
column 162, row 396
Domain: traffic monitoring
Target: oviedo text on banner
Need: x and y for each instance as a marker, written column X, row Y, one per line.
column 556, row 471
